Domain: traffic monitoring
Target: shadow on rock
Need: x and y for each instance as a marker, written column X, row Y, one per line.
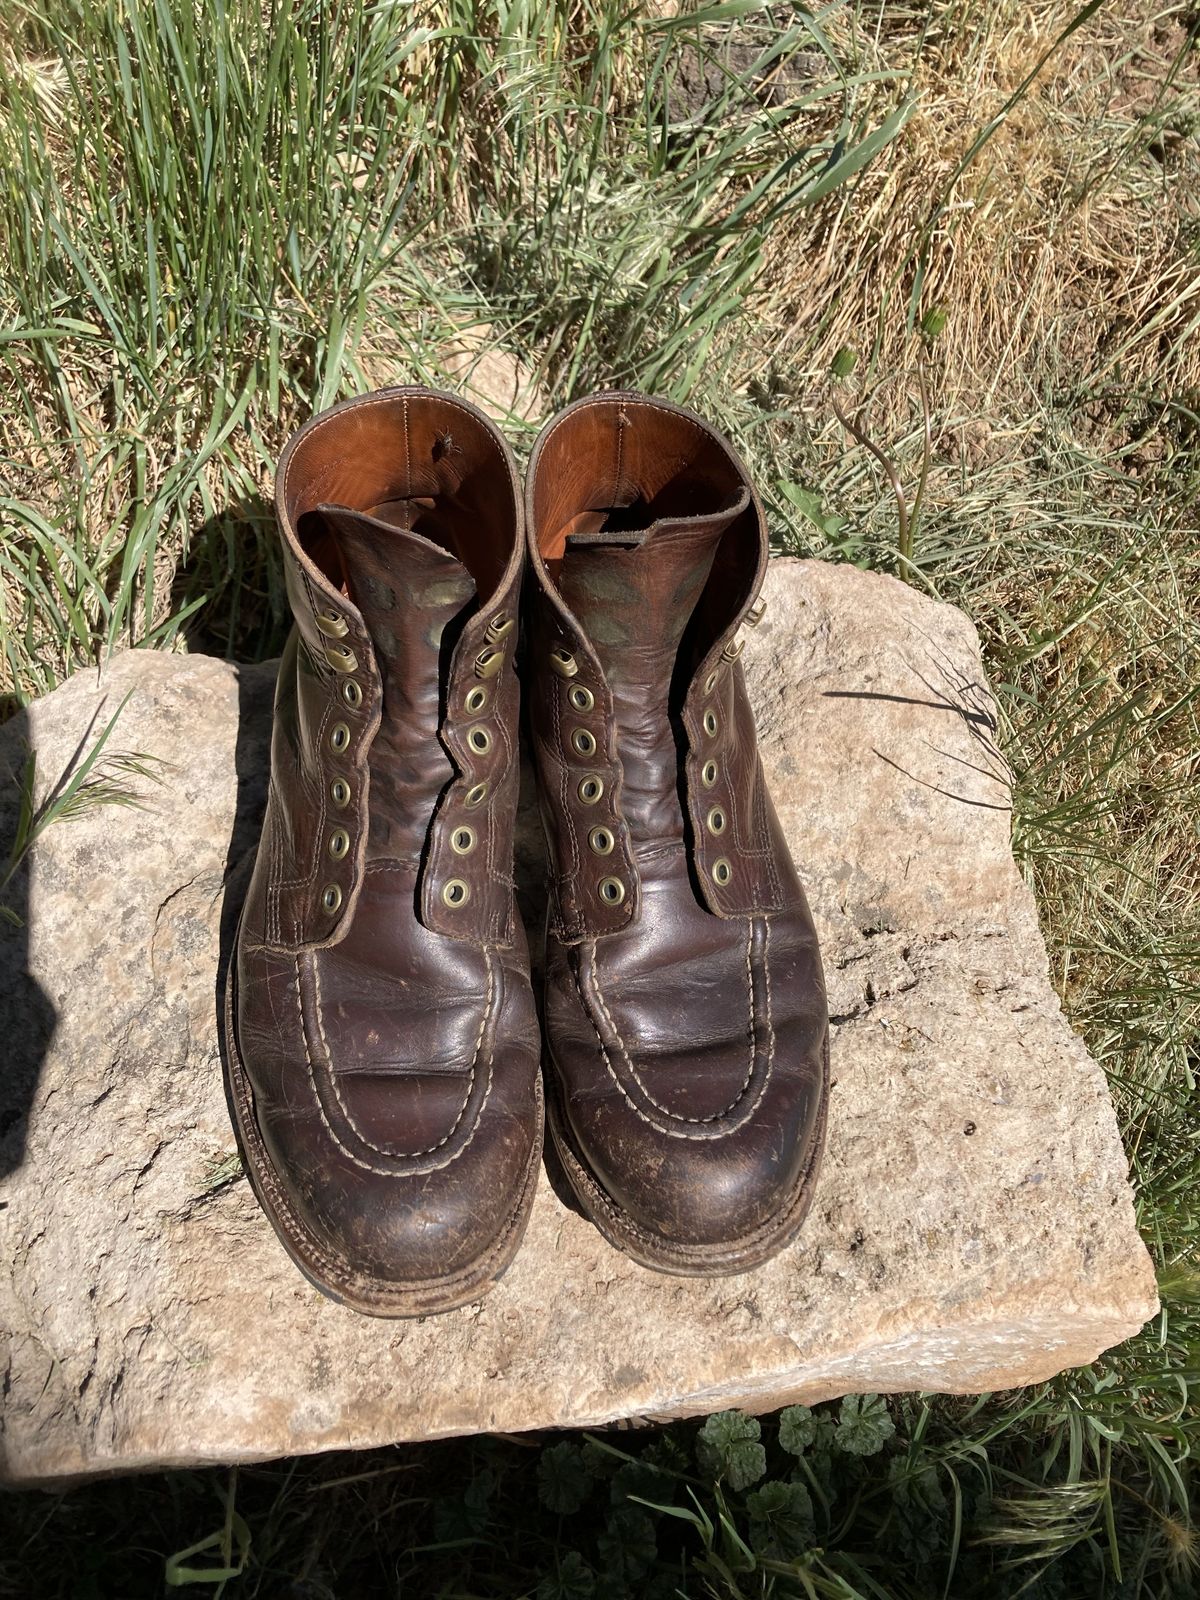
column 27, row 1013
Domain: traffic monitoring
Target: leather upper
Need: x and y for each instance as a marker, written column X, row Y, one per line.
column 695, row 566
column 385, row 1019
column 684, row 1008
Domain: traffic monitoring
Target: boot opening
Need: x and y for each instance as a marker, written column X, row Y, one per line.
column 619, row 465
column 626, row 471
column 418, row 463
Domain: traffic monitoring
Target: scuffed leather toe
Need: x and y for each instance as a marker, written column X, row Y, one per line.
column 418, row 1227
column 698, row 1125
column 694, row 1190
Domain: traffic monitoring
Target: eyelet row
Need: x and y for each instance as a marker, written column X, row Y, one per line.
column 488, row 663
column 716, row 819
column 343, row 660
column 590, row 789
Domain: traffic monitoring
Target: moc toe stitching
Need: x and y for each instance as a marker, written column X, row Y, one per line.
column 400, row 1162
column 592, row 999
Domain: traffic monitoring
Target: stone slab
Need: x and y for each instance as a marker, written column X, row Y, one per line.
column 973, row 1227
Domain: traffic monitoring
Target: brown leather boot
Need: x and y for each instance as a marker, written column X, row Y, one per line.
column 685, row 1008
column 382, row 1042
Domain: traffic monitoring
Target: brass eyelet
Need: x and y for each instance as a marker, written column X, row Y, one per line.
column 476, row 699
column 339, row 843
column 710, row 683
column 462, row 840
column 339, row 793
column 563, row 662
column 499, row 627
column 488, row 662
column 721, row 871
column 590, row 789
column 331, row 898
column 582, row 699
column 352, row 693
column 715, row 821
column 332, row 624
column 341, row 658
column 710, row 722
column 601, row 841
column 476, row 795
column 583, row 743
column 456, row 893
column 708, row 774
column 611, row 891
column 339, row 736
column 480, row 740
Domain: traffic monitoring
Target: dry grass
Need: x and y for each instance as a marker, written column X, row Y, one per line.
column 1065, row 256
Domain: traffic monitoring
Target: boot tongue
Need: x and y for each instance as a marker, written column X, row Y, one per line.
column 634, row 592
column 414, row 598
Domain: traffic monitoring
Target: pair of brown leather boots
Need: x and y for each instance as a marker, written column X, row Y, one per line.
column 383, row 1045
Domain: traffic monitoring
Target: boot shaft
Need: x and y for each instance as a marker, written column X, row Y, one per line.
column 397, row 705
column 647, row 550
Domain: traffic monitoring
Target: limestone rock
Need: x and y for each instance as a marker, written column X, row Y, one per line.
column 973, row 1226
column 474, row 361
column 493, row 377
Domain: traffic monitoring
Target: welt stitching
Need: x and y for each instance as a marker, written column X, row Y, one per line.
column 367, row 1166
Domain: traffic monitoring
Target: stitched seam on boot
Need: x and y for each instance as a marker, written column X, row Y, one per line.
column 641, row 403
column 384, row 1149
column 744, row 847
column 664, row 1110
column 766, row 965
column 620, row 461
column 386, row 399
column 567, row 824
column 367, row 1166
column 322, row 813
column 273, row 928
column 764, row 833
column 498, row 921
column 413, row 864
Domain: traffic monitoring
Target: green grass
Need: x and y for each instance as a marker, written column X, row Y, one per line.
column 216, row 218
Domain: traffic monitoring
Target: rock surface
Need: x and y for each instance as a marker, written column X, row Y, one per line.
column 973, row 1226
